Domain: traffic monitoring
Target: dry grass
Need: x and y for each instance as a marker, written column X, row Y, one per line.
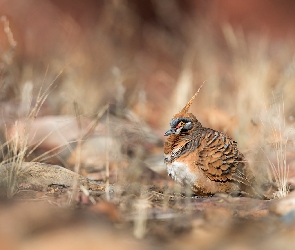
column 17, row 147
column 277, row 153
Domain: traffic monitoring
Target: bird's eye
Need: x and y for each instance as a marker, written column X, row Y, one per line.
column 181, row 124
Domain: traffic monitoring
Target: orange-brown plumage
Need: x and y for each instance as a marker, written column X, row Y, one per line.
column 207, row 160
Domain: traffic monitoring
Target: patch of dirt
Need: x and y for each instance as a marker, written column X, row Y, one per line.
column 52, row 201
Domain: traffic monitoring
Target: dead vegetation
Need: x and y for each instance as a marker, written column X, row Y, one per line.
column 82, row 132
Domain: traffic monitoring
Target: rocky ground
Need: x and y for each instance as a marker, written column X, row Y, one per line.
column 53, row 207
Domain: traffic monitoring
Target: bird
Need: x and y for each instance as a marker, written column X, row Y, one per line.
column 207, row 160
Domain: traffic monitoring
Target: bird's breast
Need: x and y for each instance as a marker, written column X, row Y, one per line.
column 180, row 172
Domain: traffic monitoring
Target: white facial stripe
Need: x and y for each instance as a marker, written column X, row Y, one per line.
column 178, row 131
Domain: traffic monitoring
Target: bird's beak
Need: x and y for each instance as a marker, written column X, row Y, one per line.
column 170, row 132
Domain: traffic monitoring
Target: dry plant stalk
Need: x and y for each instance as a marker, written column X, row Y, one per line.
column 78, row 157
column 107, row 187
column 17, row 148
column 7, row 57
column 280, row 169
column 18, row 145
column 81, row 139
column 141, row 207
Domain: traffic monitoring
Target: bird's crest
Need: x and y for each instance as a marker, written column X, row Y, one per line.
column 187, row 106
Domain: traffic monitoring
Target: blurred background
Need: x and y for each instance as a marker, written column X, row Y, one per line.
column 150, row 56
column 146, row 58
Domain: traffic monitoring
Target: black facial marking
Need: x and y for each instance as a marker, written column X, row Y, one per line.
column 174, row 122
column 188, row 126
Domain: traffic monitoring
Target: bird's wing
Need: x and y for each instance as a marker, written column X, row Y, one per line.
column 220, row 158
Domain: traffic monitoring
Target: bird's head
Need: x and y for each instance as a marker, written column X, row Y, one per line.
column 183, row 121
